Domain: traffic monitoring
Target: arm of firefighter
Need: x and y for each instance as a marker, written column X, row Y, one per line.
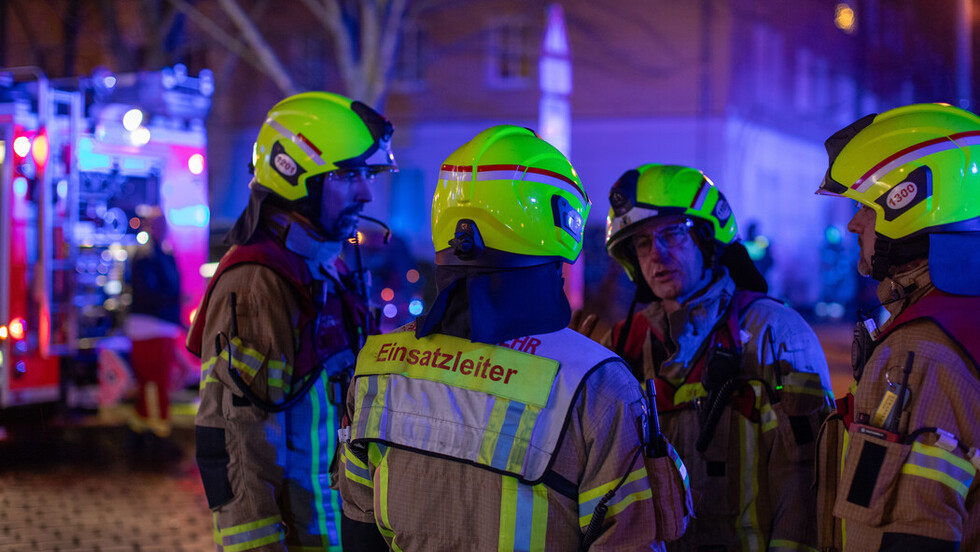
column 261, row 352
column 794, row 364
column 360, row 531
column 934, row 494
column 610, row 411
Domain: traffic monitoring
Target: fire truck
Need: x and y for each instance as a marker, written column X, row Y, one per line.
column 81, row 162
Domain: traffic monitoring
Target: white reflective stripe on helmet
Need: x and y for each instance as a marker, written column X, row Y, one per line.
column 634, row 215
column 512, row 172
column 912, row 153
column 300, row 141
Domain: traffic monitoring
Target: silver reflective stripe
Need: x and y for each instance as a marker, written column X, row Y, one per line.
column 455, row 422
column 294, row 138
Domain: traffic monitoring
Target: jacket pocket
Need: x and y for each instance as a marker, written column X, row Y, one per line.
column 671, row 493
column 827, row 466
column 869, row 480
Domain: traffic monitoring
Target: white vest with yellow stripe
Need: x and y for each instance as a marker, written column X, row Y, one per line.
column 500, row 407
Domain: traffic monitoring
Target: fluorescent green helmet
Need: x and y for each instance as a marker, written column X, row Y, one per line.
column 916, row 166
column 507, row 198
column 655, row 190
column 308, row 135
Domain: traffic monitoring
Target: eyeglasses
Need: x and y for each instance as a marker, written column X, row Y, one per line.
column 367, row 174
column 667, row 237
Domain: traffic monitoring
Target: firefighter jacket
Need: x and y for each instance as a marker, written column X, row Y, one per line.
column 898, row 469
column 460, row 445
column 742, row 386
column 276, row 310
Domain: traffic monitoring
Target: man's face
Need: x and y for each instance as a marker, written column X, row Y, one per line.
column 863, row 224
column 344, row 194
column 669, row 258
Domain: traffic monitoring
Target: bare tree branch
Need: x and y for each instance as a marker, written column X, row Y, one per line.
column 233, row 45
column 266, row 56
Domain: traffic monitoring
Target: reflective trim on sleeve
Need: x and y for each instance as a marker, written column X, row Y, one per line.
column 280, row 374
column 636, row 487
column 781, row 545
column 768, row 418
column 206, row 368
column 805, row 383
column 250, row 535
column 355, row 469
column 523, row 516
column 245, row 359
column 940, row 465
column 681, row 468
column 688, row 392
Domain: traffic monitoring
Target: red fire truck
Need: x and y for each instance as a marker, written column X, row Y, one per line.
column 80, row 164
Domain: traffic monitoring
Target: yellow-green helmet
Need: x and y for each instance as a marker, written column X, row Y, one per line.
column 507, row 198
column 917, row 168
column 655, row 190
column 310, row 134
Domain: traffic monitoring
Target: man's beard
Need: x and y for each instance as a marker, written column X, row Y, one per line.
column 345, row 225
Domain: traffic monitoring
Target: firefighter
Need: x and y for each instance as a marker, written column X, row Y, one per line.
column 280, row 325
column 907, row 435
column 486, row 424
column 153, row 325
column 741, row 380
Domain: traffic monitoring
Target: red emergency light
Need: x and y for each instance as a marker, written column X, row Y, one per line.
column 39, row 150
column 17, row 328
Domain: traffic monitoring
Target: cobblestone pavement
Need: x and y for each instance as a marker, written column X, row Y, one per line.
column 92, row 489
column 89, row 487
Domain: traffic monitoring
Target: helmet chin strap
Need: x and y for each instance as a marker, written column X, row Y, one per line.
column 891, row 253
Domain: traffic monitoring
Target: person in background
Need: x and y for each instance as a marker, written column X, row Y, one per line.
column 486, row 424
column 152, row 325
column 741, row 380
column 898, row 460
column 280, row 325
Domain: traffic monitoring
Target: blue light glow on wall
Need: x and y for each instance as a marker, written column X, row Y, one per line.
column 192, row 215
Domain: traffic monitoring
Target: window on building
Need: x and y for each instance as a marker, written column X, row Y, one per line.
column 408, row 73
column 512, row 53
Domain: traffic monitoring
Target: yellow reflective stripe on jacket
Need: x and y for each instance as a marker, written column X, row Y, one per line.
column 381, row 505
column 206, row 368
column 747, row 526
column 636, row 487
column 523, row 515
column 250, row 535
column 780, row 545
column 767, row 417
column 489, row 443
column 244, row 359
column 805, row 383
column 280, row 374
column 688, row 392
column 940, row 465
column 355, row 469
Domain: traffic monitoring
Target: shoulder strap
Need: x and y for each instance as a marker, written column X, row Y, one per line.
column 956, row 316
column 262, row 251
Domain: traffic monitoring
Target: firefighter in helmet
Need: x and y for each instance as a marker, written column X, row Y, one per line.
column 907, row 435
column 741, row 380
column 487, row 424
column 281, row 323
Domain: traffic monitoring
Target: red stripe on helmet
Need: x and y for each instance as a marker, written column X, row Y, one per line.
column 910, row 149
column 518, row 168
